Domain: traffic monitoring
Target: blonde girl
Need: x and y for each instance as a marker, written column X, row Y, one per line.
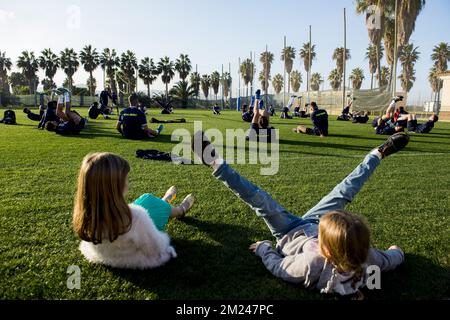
column 113, row 232
column 327, row 248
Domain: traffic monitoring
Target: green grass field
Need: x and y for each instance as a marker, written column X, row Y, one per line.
column 406, row 203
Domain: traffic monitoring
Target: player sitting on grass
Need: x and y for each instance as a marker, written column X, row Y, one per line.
column 216, row 109
column 247, row 114
column 319, row 118
column 327, row 248
column 132, row 122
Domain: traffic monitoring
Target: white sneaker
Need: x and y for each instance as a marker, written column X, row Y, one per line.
column 187, row 204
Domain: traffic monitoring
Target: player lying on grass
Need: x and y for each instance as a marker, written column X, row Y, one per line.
column 261, row 120
column 327, row 248
column 44, row 116
column 359, row 117
column 69, row 121
column 319, row 118
column 421, row 128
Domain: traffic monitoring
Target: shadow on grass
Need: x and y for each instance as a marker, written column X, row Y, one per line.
column 418, row 278
column 221, row 267
column 203, row 270
column 322, row 144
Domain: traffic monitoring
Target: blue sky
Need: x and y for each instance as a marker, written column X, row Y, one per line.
column 211, row 32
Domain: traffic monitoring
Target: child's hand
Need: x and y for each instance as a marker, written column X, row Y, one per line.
column 394, row 247
column 253, row 246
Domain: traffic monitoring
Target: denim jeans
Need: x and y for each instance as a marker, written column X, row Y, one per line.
column 279, row 220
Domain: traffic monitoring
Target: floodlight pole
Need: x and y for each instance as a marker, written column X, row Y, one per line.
column 266, row 77
column 230, row 87
column 394, row 73
column 345, row 60
column 308, row 80
column 239, row 77
column 284, row 75
column 222, row 79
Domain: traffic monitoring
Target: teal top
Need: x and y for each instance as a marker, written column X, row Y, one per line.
column 158, row 210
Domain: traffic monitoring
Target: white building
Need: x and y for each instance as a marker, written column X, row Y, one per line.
column 444, row 114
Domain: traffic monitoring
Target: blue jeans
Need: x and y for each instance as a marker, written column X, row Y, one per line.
column 279, row 220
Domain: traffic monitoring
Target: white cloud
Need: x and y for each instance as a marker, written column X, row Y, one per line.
column 6, row 16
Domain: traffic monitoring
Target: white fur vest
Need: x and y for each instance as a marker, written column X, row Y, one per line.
column 142, row 247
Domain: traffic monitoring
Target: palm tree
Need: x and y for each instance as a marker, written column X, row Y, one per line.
column 195, row 82
column 247, row 71
column 148, row 72
column 226, row 82
column 338, row 55
column 90, row 59
column 182, row 91
column 49, row 62
column 371, row 55
column 5, row 66
column 316, row 81
column 183, row 66
column 307, row 56
column 215, row 82
column 288, row 56
column 296, row 80
column 385, row 76
column 128, row 65
column 266, row 59
column 357, row 77
column 264, row 81
column 375, row 33
column 205, row 84
column 29, row 65
column 121, row 81
column 408, row 12
column 440, row 56
column 408, row 58
column 277, row 83
column 91, row 84
column 48, row 84
column 109, row 62
column 389, row 43
column 166, row 69
column 335, row 79
column 407, row 80
column 435, row 82
column 70, row 64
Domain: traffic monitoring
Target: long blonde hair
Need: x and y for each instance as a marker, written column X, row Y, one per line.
column 344, row 239
column 100, row 211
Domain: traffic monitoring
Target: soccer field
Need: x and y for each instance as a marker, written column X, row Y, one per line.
column 406, row 202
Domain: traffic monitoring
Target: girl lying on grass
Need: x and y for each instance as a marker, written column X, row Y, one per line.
column 327, row 248
column 113, row 232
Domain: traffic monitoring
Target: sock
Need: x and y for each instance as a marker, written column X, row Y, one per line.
column 217, row 163
column 377, row 153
